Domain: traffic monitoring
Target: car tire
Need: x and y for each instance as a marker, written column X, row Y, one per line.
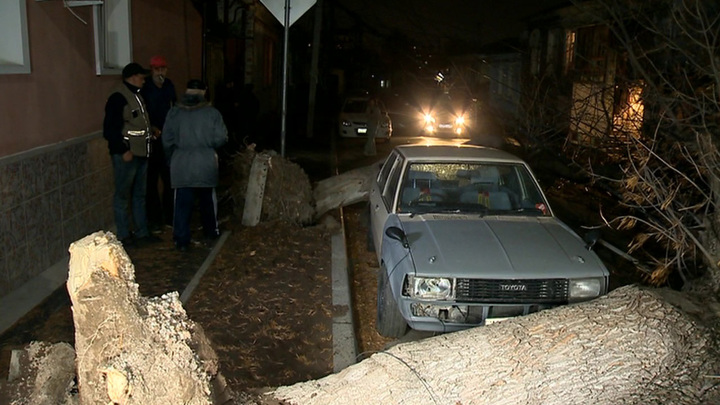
column 390, row 322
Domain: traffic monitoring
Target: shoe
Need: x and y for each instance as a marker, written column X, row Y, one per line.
column 155, row 228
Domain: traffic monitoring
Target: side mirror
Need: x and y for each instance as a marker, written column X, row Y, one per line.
column 396, row 233
column 591, row 239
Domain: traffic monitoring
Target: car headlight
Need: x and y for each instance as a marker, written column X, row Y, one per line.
column 460, row 120
column 429, row 288
column 428, row 119
column 585, row 289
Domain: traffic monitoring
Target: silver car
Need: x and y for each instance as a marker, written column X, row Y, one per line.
column 465, row 236
column 362, row 117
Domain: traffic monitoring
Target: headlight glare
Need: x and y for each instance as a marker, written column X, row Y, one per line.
column 585, row 289
column 460, row 120
column 431, row 288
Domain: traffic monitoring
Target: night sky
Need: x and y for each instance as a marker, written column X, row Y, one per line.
column 477, row 22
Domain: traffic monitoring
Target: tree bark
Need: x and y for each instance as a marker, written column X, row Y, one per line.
column 631, row 346
column 344, row 189
column 130, row 349
column 41, row 374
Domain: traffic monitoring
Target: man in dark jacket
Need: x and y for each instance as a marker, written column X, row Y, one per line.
column 126, row 127
column 193, row 131
column 159, row 95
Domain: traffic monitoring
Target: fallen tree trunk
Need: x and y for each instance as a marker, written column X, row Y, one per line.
column 630, row 347
column 131, row 349
column 344, row 189
column 41, row 374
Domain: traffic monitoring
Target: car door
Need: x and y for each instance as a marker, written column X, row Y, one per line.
column 382, row 197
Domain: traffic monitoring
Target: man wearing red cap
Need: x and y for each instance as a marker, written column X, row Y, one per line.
column 159, row 94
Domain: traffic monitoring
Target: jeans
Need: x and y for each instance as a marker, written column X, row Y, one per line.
column 184, row 201
column 130, row 186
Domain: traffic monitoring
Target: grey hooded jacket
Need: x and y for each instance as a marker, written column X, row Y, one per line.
column 193, row 130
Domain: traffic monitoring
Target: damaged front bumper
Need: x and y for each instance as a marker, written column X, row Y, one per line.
column 443, row 317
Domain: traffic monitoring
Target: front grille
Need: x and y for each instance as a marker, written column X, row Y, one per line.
column 554, row 291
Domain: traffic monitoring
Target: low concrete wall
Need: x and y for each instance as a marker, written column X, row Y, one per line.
column 50, row 197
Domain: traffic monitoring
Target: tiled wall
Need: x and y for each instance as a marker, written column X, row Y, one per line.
column 49, row 198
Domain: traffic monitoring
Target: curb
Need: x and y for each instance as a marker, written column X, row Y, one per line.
column 23, row 299
column 343, row 329
column 187, row 292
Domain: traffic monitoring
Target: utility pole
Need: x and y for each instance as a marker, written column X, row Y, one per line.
column 314, row 68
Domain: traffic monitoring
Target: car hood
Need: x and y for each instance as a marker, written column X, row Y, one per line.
column 498, row 247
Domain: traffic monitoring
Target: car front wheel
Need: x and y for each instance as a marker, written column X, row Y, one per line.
column 390, row 322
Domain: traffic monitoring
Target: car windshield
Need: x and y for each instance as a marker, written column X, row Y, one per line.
column 469, row 187
column 355, row 106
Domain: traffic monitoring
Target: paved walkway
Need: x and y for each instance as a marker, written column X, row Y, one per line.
column 28, row 306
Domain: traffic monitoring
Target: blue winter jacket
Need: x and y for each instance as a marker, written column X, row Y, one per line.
column 193, row 130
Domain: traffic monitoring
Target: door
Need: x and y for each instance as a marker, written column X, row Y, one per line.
column 382, row 198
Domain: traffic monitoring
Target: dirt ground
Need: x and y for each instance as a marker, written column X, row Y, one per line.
column 363, row 266
column 266, row 304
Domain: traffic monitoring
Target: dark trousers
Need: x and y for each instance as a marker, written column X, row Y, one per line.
column 159, row 206
column 184, row 202
column 130, row 187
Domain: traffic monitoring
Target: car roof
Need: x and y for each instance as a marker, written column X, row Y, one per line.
column 455, row 152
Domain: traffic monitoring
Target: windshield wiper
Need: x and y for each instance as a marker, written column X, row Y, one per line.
column 450, row 210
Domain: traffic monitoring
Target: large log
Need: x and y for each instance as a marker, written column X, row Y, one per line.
column 40, row 374
column 131, row 349
column 344, row 189
column 632, row 347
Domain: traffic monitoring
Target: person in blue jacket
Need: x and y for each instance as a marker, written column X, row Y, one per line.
column 193, row 131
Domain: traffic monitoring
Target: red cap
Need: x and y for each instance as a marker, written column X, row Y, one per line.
column 158, row 61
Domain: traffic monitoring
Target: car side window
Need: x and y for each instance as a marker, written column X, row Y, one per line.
column 392, row 184
column 385, row 170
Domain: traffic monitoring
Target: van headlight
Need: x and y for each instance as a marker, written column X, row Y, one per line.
column 429, row 288
column 583, row 289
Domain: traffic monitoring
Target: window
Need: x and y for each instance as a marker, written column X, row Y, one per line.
column 113, row 39
column 268, row 61
column 552, row 44
column 392, row 184
column 569, row 50
column 14, row 47
column 383, row 175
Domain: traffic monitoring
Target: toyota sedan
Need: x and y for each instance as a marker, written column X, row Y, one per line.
column 465, row 236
